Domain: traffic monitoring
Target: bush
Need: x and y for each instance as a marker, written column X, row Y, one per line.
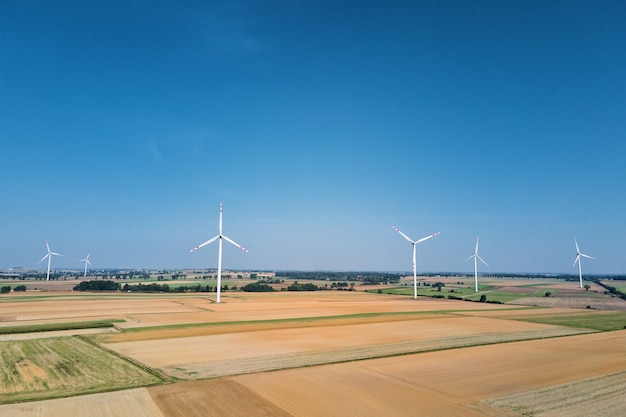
column 483, row 298
column 5, row 290
column 21, row 288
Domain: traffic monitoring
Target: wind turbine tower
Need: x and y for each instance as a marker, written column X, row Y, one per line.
column 221, row 237
column 476, row 256
column 579, row 254
column 86, row 260
column 49, row 256
column 414, row 242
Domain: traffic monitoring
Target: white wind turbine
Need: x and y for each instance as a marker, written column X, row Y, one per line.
column 221, row 237
column 476, row 256
column 49, row 256
column 414, row 242
column 86, row 260
column 578, row 255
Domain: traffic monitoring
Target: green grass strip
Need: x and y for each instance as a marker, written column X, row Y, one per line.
column 590, row 320
column 51, row 327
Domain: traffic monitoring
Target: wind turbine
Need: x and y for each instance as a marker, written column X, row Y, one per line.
column 86, row 260
column 476, row 256
column 414, row 242
column 578, row 255
column 49, row 256
column 221, row 237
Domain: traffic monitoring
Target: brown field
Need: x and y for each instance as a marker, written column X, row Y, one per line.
column 230, row 353
column 337, row 354
column 128, row 403
column 445, row 383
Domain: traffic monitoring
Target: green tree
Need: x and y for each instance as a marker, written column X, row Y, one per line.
column 5, row 290
column 483, row 298
column 587, row 286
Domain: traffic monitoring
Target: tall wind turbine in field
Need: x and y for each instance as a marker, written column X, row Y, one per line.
column 86, row 260
column 49, row 256
column 476, row 256
column 414, row 242
column 221, row 237
column 578, row 256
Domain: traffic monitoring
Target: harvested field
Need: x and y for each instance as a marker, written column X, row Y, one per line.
column 588, row 397
column 444, row 383
column 427, row 359
column 220, row 397
column 231, row 353
column 94, row 308
column 56, row 367
column 129, row 403
column 574, row 302
column 155, row 310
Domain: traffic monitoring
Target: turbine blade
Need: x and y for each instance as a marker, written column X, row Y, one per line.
column 234, row 243
column 47, row 246
column 587, row 256
column 476, row 250
column 576, row 260
column 470, row 257
column 56, row 254
column 213, row 239
column 481, row 259
column 428, row 237
column 47, row 254
column 403, row 235
column 576, row 243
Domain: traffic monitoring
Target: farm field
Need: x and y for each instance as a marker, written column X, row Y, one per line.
column 62, row 366
column 278, row 354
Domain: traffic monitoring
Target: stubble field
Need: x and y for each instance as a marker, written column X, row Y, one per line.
column 330, row 354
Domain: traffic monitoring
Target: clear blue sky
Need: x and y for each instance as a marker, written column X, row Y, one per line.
column 319, row 125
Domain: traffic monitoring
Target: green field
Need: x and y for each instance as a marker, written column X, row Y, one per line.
column 620, row 285
column 602, row 321
column 50, row 327
column 39, row 369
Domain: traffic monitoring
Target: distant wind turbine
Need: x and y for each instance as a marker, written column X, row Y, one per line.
column 578, row 255
column 86, row 260
column 476, row 256
column 414, row 242
column 221, row 237
column 49, row 256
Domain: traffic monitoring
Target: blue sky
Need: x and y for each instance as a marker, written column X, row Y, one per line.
column 319, row 125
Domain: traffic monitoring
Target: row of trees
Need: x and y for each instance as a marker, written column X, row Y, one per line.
column 368, row 278
column 152, row 287
column 7, row 289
